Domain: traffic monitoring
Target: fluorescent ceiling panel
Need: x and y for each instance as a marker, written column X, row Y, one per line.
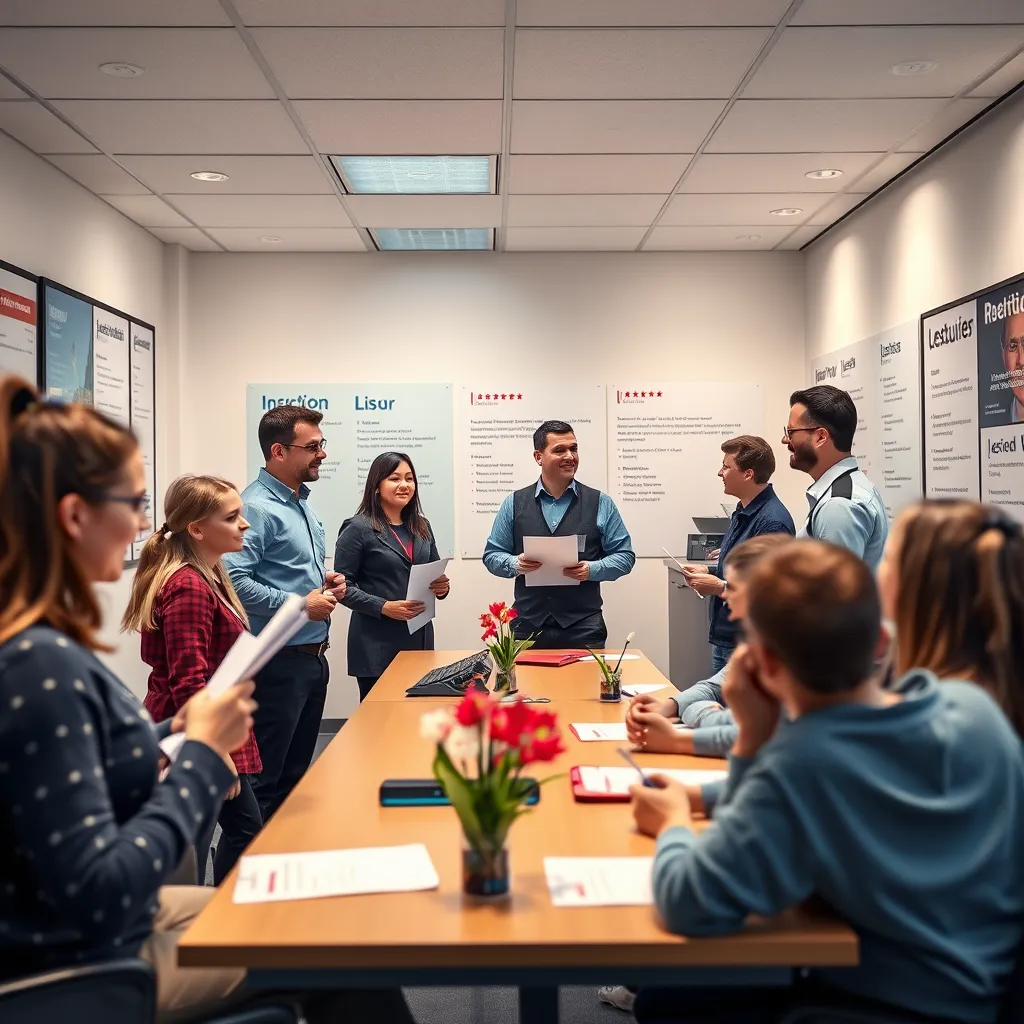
column 417, row 175
column 434, row 238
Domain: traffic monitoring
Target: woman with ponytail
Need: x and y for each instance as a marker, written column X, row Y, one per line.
column 952, row 585
column 189, row 615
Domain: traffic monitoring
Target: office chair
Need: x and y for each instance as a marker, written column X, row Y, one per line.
column 115, row 992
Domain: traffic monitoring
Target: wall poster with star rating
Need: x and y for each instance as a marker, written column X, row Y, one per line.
column 495, row 429
column 664, row 448
column 360, row 422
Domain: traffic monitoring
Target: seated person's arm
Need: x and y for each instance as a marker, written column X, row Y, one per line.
column 715, row 740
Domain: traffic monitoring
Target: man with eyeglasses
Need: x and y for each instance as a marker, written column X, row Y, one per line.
column 844, row 506
column 284, row 553
column 1013, row 361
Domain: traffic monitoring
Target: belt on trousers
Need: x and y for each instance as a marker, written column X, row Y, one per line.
column 315, row 649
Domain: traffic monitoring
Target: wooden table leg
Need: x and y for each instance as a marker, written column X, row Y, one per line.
column 538, row 1005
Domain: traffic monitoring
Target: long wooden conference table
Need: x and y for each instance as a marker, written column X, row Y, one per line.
column 439, row 938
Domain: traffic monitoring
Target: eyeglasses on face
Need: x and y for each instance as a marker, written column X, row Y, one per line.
column 313, row 447
column 790, row 431
column 138, row 503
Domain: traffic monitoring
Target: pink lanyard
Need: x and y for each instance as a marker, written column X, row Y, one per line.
column 407, row 550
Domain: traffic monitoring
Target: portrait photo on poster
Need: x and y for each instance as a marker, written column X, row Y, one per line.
column 1001, row 355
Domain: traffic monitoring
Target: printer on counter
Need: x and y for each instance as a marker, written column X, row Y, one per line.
column 708, row 538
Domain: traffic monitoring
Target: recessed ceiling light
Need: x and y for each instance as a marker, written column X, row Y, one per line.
column 747, row 238
column 119, row 69
column 208, row 176
column 786, row 211
column 434, row 239
column 914, row 67
column 825, row 172
column 417, row 175
column 270, row 239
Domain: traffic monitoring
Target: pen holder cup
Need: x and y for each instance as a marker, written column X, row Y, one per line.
column 505, row 680
column 611, row 686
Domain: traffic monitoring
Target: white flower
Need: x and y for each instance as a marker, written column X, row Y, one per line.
column 435, row 725
column 629, row 639
column 463, row 744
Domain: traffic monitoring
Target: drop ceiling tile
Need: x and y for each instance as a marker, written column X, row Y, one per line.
column 633, row 64
column 909, row 12
column 292, row 239
column 715, row 238
column 836, row 207
column 149, row 211
column 190, row 238
column 855, row 62
column 388, row 127
column 581, row 211
column 580, row 239
column 946, row 121
column 649, row 12
column 180, row 63
column 603, row 174
column 98, row 174
column 34, row 126
column 800, row 237
column 252, row 211
column 426, row 211
column 186, row 126
column 740, row 209
column 255, row 175
column 611, row 126
column 807, row 126
column 773, row 172
column 885, row 171
column 372, row 12
column 395, row 63
column 1003, row 80
column 112, row 12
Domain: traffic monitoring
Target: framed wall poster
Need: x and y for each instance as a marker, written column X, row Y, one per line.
column 19, row 302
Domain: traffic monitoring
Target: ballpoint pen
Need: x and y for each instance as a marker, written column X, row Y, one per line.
column 632, row 763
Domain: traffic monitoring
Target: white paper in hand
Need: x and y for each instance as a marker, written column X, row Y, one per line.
column 554, row 554
column 420, row 578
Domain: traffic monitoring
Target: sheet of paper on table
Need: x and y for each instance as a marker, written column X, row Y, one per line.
column 556, row 554
column 273, row 877
column 617, row 780
column 635, row 689
column 614, row 658
column 599, row 881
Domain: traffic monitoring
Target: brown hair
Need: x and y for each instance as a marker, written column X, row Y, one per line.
column 747, row 552
column 754, row 453
column 49, row 450
column 817, row 608
column 960, row 607
column 277, row 425
column 189, row 499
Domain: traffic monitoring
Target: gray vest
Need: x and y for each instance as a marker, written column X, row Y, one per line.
column 565, row 605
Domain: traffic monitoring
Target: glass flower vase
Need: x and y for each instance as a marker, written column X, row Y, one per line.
column 485, row 870
column 505, row 680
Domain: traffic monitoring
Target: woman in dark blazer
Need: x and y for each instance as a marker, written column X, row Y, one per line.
column 375, row 549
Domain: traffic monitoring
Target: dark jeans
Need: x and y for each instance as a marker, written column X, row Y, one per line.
column 720, row 657
column 588, row 632
column 240, row 821
column 365, row 684
column 740, row 1005
column 290, row 690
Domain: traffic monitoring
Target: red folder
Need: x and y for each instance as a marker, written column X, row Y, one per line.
column 555, row 659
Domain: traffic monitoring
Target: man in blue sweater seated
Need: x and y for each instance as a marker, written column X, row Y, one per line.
column 902, row 808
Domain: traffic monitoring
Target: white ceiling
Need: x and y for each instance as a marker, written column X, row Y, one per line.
column 653, row 124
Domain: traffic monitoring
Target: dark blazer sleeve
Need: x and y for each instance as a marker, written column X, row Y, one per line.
column 348, row 558
column 434, row 556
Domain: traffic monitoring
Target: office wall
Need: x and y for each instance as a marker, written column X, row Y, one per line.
column 952, row 226
column 574, row 318
column 52, row 226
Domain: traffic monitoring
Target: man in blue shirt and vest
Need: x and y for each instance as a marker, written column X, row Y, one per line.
column 747, row 465
column 559, row 505
column 284, row 553
column 844, row 506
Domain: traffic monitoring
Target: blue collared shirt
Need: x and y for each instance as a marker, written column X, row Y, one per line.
column 499, row 556
column 764, row 514
column 284, row 552
column 858, row 523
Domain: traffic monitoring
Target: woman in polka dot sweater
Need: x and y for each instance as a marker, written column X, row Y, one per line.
column 88, row 833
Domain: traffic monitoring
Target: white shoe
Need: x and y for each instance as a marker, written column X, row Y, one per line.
column 618, row 996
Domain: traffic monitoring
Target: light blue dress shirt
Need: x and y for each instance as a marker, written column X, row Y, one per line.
column 499, row 556
column 284, row 552
column 859, row 524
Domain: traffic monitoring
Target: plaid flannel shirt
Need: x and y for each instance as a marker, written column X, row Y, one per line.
column 194, row 631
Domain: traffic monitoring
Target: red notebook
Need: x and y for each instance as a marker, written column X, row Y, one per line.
column 553, row 658
column 591, row 784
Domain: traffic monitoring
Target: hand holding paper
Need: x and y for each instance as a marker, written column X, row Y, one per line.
column 420, row 578
column 554, row 555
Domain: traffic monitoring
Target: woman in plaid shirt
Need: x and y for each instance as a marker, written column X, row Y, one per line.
column 189, row 615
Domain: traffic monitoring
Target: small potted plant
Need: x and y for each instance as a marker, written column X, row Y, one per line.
column 503, row 645
column 482, row 746
column 611, row 678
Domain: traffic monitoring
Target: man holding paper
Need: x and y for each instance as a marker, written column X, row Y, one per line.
column 284, row 553
column 389, row 558
column 559, row 540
